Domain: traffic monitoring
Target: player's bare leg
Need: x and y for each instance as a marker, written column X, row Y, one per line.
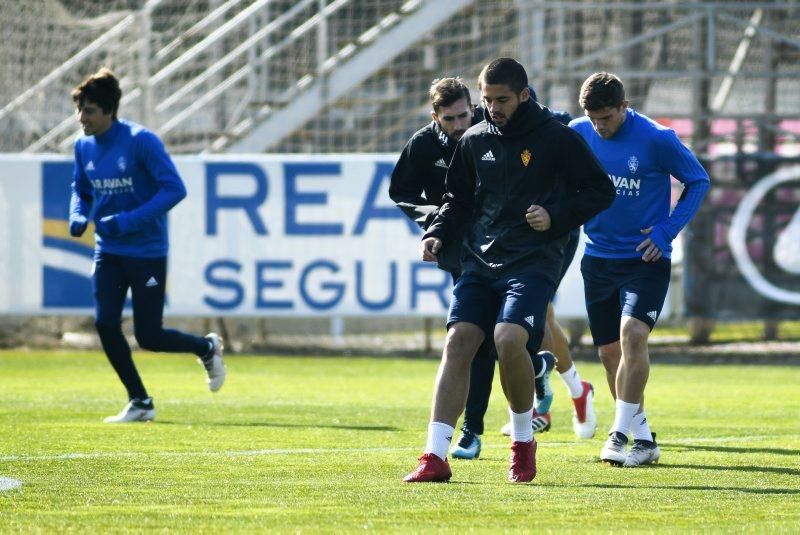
column 452, row 380
column 449, row 398
column 584, row 421
column 634, row 367
column 628, row 389
column 516, row 376
column 611, row 355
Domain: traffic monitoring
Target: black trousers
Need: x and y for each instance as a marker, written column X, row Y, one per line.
column 146, row 278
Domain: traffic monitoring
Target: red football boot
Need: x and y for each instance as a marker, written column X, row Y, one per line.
column 523, row 462
column 431, row 469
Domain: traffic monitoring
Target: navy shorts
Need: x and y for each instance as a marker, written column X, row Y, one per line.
column 615, row 287
column 521, row 299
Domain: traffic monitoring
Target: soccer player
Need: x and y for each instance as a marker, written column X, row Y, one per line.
column 518, row 182
column 417, row 186
column 626, row 267
column 124, row 173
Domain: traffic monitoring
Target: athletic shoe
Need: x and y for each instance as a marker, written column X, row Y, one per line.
column 212, row 362
column 539, row 422
column 431, row 469
column 523, row 462
column 137, row 410
column 613, row 451
column 543, row 392
column 643, row 452
column 468, row 446
column 584, row 421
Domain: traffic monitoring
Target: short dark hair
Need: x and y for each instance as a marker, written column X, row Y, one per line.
column 447, row 91
column 102, row 88
column 601, row 90
column 504, row 71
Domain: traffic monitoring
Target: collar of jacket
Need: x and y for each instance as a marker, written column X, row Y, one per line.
column 528, row 116
column 441, row 136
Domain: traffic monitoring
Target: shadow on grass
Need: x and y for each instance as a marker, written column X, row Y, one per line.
column 729, row 449
column 749, row 490
column 781, row 470
column 766, row 469
column 206, row 423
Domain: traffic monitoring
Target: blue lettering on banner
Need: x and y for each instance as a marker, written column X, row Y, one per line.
column 337, row 287
column 322, row 285
column 262, row 284
column 295, row 198
column 250, row 204
column 383, row 172
column 441, row 290
column 214, row 279
column 377, row 305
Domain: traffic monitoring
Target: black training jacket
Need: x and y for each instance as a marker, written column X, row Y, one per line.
column 497, row 173
column 417, row 182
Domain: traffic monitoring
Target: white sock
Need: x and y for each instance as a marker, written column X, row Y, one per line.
column 624, row 416
column 573, row 382
column 640, row 429
column 439, row 437
column 521, row 427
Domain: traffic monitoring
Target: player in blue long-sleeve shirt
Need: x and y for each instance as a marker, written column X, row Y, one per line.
column 124, row 173
column 626, row 267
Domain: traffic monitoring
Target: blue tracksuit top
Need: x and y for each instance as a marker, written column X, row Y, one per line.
column 639, row 160
column 127, row 172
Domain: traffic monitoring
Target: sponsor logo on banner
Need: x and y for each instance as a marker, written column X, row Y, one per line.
column 278, row 235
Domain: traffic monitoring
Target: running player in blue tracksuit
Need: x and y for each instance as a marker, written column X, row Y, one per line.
column 626, row 267
column 124, row 173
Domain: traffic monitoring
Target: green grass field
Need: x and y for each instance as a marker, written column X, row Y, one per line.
column 321, row 445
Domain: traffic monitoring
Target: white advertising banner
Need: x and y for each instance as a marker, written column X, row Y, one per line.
column 282, row 235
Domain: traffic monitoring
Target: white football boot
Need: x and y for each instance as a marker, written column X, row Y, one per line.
column 613, row 451
column 136, row 410
column 215, row 367
column 643, row 452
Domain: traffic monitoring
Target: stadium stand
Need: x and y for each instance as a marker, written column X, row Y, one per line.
column 351, row 75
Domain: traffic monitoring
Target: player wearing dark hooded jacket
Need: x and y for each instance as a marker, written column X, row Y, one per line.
column 496, row 174
column 517, row 184
column 417, row 182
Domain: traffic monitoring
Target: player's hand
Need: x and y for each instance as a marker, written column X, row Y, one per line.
column 108, row 226
column 77, row 225
column 651, row 251
column 429, row 247
column 538, row 218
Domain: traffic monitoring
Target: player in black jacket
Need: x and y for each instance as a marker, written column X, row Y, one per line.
column 417, row 183
column 417, row 186
column 517, row 184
